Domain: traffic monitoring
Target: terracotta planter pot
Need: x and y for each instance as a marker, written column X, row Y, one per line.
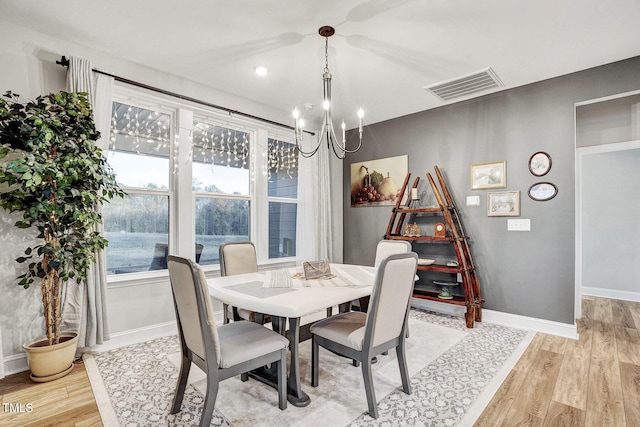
column 50, row 362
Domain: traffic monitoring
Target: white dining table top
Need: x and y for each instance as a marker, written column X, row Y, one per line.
column 253, row 291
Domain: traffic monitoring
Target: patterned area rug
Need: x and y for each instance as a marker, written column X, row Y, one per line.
column 454, row 373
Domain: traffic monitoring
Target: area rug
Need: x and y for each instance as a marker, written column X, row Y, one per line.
column 454, row 373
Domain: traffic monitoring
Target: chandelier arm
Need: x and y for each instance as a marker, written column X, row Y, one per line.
column 344, row 148
column 308, row 154
column 334, row 142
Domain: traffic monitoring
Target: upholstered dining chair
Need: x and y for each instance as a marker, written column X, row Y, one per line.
column 361, row 336
column 221, row 352
column 238, row 258
column 390, row 247
column 384, row 248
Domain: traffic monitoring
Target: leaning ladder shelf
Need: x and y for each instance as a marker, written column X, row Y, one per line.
column 455, row 235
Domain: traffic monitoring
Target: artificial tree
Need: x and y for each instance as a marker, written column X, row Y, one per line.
column 55, row 175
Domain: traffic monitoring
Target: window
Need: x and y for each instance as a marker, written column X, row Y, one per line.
column 221, row 180
column 209, row 180
column 282, row 177
column 137, row 226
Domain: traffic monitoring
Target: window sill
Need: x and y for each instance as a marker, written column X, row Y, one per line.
column 162, row 276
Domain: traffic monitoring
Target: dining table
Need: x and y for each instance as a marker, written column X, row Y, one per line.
column 285, row 295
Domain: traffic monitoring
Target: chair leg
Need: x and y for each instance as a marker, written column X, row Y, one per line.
column 315, row 356
column 368, row 387
column 209, row 401
column 282, row 380
column 225, row 313
column 185, row 367
column 404, row 372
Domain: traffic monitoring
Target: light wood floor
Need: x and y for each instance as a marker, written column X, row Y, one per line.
column 591, row 382
column 67, row 401
column 594, row 381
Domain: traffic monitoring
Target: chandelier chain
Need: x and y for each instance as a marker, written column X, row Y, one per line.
column 326, row 54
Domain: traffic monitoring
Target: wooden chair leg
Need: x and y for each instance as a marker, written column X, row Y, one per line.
column 404, row 372
column 185, row 367
column 282, row 380
column 315, row 356
column 209, row 401
column 368, row 387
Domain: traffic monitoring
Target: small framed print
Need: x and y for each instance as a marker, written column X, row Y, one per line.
column 489, row 175
column 540, row 163
column 543, row 191
column 505, row 203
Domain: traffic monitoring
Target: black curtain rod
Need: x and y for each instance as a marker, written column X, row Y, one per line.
column 64, row 61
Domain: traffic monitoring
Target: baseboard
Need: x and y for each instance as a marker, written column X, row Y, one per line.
column 500, row 318
column 612, row 294
column 15, row 363
column 135, row 336
column 18, row 362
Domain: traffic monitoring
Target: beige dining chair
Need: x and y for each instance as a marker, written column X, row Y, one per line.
column 221, row 352
column 384, row 248
column 390, row 247
column 239, row 258
column 361, row 336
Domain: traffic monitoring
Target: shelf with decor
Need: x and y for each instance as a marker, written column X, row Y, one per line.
column 450, row 277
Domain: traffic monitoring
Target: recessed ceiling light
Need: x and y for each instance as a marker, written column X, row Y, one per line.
column 261, row 71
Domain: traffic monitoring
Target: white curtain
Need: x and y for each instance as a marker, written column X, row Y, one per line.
column 85, row 306
column 314, row 223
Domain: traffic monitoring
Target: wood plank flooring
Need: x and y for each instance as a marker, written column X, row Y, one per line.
column 593, row 381
column 67, row 401
column 590, row 382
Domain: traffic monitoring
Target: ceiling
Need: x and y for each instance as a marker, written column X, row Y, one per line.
column 383, row 53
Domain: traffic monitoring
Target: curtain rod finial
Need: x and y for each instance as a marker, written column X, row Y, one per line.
column 63, row 61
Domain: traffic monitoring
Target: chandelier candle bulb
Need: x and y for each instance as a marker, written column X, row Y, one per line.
column 344, row 127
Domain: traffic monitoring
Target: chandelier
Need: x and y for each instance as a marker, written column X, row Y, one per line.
column 327, row 132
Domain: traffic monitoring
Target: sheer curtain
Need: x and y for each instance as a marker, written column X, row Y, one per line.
column 85, row 308
column 314, row 230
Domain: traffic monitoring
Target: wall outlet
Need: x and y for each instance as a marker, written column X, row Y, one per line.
column 518, row 225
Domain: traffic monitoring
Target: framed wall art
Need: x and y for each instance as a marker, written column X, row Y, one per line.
column 505, row 203
column 489, row 175
column 540, row 163
column 543, row 191
column 378, row 182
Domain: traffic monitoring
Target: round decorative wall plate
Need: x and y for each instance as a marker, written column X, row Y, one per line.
column 540, row 163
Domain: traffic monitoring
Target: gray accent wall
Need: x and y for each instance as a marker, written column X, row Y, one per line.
column 523, row 273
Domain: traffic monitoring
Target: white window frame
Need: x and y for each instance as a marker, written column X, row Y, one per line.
column 181, row 195
column 291, row 200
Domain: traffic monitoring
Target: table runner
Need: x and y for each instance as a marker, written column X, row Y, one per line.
column 345, row 275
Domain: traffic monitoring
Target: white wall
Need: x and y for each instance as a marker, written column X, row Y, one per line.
column 610, row 179
column 27, row 67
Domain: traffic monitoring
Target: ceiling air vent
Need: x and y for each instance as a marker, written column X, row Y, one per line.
column 466, row 85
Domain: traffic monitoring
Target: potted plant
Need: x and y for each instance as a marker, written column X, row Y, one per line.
column 53, row 173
